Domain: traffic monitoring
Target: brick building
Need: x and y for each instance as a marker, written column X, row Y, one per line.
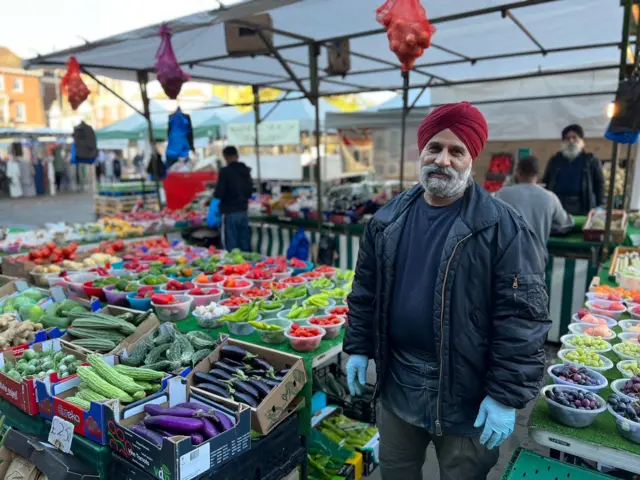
column 21, row 102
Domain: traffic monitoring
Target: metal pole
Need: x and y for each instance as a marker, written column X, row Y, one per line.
column 627, row 168
column 256, row 116
column 403, row 130
column 314, row 90
column 615, row 150
column 143, row 79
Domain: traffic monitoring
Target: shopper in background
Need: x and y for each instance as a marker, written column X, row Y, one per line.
column 574, row 175
column 231, row 199
column 449, row 300
column 59, row 167
column 540, row 208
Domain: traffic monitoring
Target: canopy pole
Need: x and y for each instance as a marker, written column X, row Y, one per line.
column 143, row 79
column 256, row 115
column 627, row 169
column 615, row 150
column 314, row 90
column 403, row 130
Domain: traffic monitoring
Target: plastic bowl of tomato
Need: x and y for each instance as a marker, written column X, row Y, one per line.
column 304, row 338
column 339, row 310
column 260, row 277
column 208, row 281
column 204, row 296
column 297, row 280
column 311, row 275
column 257, row 294
column 235, row 287
column 327, row 271
column 332, row 324
column 234, row 303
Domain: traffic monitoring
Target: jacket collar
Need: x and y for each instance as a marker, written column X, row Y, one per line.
column 479, row 210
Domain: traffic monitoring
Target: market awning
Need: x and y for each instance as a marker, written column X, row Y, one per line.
column 476, row 41
column 134, row 127
column 33, row 132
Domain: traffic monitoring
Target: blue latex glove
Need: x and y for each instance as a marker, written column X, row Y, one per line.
column 498, row 422
column 213, row 215
column 357, row 365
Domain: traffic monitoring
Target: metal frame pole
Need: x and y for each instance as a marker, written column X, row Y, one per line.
column 615, row 150
column 143, row 79
column 403, row 130
column 314, row 51
column 256, row 116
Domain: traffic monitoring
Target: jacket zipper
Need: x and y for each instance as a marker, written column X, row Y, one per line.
column 444, row 285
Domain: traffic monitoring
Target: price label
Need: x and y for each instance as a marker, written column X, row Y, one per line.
column 95, row 304
column 61, row 434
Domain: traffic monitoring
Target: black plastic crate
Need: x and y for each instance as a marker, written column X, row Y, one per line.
column 357, row 410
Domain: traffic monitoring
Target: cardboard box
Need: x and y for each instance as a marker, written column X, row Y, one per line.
column 178, row 458
column 243, row 39
column 280, row 402
column 23, row 394
column 55, row 464
column 90, row 423
column 4, row 279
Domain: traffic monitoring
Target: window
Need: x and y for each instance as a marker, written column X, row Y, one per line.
column 21, row 112
column 18, row 85
column 4, row 110
column 1, row 83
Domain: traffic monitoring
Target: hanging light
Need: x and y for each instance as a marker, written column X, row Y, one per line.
column 611, row 110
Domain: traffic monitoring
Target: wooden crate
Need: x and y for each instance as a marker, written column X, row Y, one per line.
column 597, row 235
column 614, row 258
column 105, row 206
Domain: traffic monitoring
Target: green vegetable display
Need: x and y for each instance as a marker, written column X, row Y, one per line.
column 322, row 283
column 41, row 364
column 337, row 292
column 265, row 326
column 297, row 312
column 245, row 313
column 318, row 300
column 291, row 292
column 101, row 332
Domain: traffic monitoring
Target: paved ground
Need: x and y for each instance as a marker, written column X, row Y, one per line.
column 36, row 211
column 78, row 207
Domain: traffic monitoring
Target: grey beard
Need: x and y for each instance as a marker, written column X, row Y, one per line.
column 571, row 151
column 438, row 187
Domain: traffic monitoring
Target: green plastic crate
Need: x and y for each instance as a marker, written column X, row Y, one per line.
column 16, row 418
column 527, row 464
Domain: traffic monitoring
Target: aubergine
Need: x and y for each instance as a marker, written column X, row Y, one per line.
column 233, row 370
column 201, row 377
column 151, row 436
column 257, row 373
column 282, row 373
column 174, row 424
column 194, row 406
column 235, row 353
column 235, row 363
column 208, row 387
column 196, row 438
column 260, row 363
column 271, row 382
column 209, row 430
column 221, row 374
column 245, row 398
column 262, row 388
column 155, row 410
column 224, row 422
column 244, row 387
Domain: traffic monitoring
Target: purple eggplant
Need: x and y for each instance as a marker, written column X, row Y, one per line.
column 235, row 353
column 271, row 382
column 155, row 410
column 224, row 421
column 221, row 374
column 260, row 363
column 233, row 370
column 245, row 398
column 282, row 373
column 209, row 430
column 256, row 373
column 147, row 434
column 206, row 378
column 208, row 387
column 194, row 406
column 244, row 387
column 235, row 363
column 174, row 424
column 164, row 433
column 196, row 439
column 262, row 388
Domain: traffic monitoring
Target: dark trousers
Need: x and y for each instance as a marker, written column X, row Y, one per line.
column 403, row 450
column 236, row 232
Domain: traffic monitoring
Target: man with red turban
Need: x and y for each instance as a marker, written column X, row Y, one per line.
column 449, row 301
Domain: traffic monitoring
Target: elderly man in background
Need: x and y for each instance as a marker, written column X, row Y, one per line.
column 574, row 175
column 449, row 300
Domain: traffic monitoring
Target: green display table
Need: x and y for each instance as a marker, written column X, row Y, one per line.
column 327, row 350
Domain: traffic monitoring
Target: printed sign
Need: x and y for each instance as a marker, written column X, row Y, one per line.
column 285, row 132
column 61, row 434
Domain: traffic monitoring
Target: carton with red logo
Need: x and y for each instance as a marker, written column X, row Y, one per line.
column 88, row 423
column 23, row 394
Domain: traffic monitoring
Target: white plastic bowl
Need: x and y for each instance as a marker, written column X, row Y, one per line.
column 594, row 296
column 630, row 308
column 626, row 373
column 608, row 364
column 626, row 428
column 176, row 312
column 624, row 356
column 332, row 330
column 626, row 325
column 275, row 336
column 572, row 417
column 306, row 344
column 236, row 291
column 212, row 295
column 270, row 314
column 75, row 285
column 629, row 337
column 610, row 321
column 282, row 315
column 603, row 382
column 282, row 275
column 242, row 328
column 579, row 328
column 617, row 385
column 566, row 342
column 607, row 313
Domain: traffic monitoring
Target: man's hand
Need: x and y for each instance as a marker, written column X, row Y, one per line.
column 498, row 422
column 357, row 364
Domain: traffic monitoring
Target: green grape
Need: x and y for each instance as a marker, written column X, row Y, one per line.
column 596, row 343
column 629, row 349
column 632, row 367
column 585, row 356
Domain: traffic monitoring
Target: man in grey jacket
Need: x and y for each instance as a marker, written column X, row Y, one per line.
column 540, row 208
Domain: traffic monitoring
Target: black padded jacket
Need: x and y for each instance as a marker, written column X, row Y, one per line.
column 490, row 305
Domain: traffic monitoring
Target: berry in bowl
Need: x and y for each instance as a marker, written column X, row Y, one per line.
column 627, row 416
column 174, row 286
column 236, row 286
column 579, row 376
column 234, row 303
column 629, row 387
column 297, row 280
column 304, row 339
column 260, row 277
column 610, row 309
column 327, row 271
column 257, row 294
column 204, row 296
column 332, row 324
column 573, row 406
column 311, row 275
column 339, row 310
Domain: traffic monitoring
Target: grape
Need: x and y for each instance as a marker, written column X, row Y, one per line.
column 588, row 341
column 580, row 400
column 632, row 387
column 585, row 356
column 625, row 407
column 629, row 349
column 576, row 375
column 631, row 367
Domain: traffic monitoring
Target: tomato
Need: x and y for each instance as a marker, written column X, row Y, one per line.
column 293, row 280
column 339, row 310
column 235, row 302
column 256, row 292
column 325, row 269
column 311, row 275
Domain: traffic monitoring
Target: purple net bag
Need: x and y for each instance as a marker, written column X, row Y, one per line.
column 168, row 70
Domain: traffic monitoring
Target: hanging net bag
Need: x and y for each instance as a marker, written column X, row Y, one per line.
column 408, row 29
column 168, row 70
column 72, row 84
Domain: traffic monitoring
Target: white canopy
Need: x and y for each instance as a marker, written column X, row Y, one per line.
column 475, row 40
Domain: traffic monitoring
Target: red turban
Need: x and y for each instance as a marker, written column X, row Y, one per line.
column 463, row 119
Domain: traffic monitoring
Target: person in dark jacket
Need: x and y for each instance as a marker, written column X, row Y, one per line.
column 574, row 175
column 233, row 190
column 449, row 301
